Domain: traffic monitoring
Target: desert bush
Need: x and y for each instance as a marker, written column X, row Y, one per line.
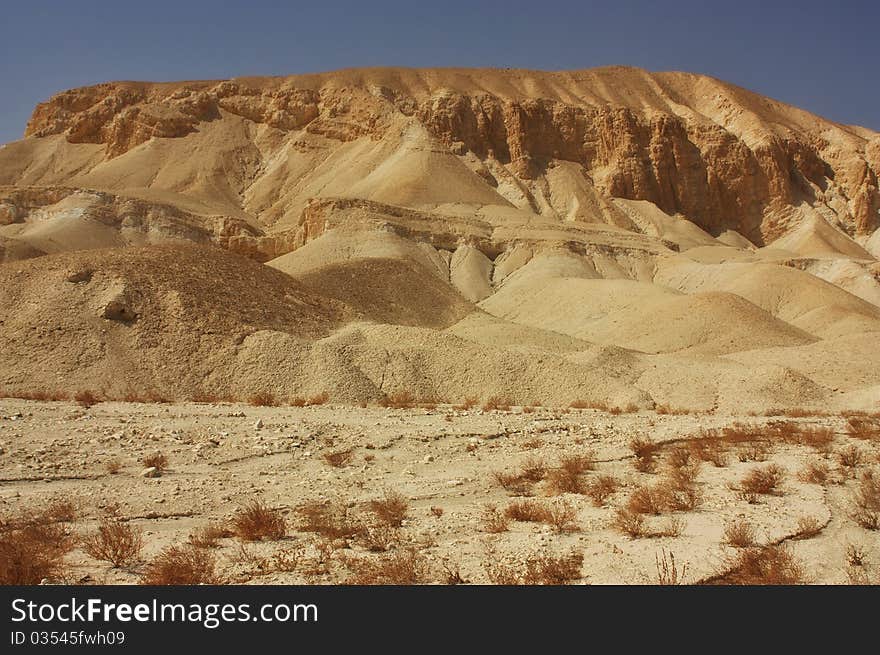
column 114, row 541
column 564, row 481
column 763, row 480
column 644, row 451
column 549, row 569
column 391, row 509
column 645, row 500
column 808, row 527
column 520, row 483
column 113, row 466
column 600, row 488
column 379, row 538
column 673, row 527
column 855, row 555
column 263, row 399
column 60, row 510
column 437, row 512
column 710, row 449
column 399, row 400
column 739, row 533
column 561, row 516
column 32, row 549
column 866, row 500
column 629, row 523
column 256, row 522
column 339, row 458
column 762, row 565
column 528, row 511
column 321, row 398
column 864, row 427
column 667, row 569
column 815, row 473
column 678, row 457
column 330, row 519
column 406, row 566
column 850, row 458
column 497, row 403
column 208, row 536
column 86, row 398
column 182, row 565
column 468, row 403
column 156, row 460
column 494, row 521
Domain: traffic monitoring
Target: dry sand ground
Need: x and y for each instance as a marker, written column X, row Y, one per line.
column 223, row 456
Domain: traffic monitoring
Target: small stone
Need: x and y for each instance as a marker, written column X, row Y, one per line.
column 259, row 424
column 151, row 472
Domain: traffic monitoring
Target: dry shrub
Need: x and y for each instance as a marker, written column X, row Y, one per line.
column 256, row 522
column 330, row 519
column 863, row 427
column 763, row 480
column 600, row 488
column 263, row 399
column 739, row 533
column 678, row 457
column 520, row 483
column 467, row 403
column 398, row 400
column 758, row 451
column 629, row 523
column 562, row 517
column 850, row 458
column 86, row 399
column 644, row 451
column 494, row 521
column 497, row 403
column 674, row 527
column 645, row 500
column 339, row 458
column 182, row 565
column 298, row 401
column 538, row 569
column 711, row 449
column 855, row 555
column 32, row 549
column 60, row 510
column 547, row 569
column 378, row 538
column 566, row 477
column 406, row 566
column 866, row 500
column 208, row 536
column 762, row 565
column 114, row 541
column 318, row 399
column 157, row 460
column 437, row 512
column 391, row 509
column 580, row 404
column 113, row 466
column 808, row 527
column 532, row 444
column 528, row 511
column 674, row 411
column 667, row 569
column 452, row 573
column 815, row 473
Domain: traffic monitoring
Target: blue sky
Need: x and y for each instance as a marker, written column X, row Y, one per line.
column 821, row 56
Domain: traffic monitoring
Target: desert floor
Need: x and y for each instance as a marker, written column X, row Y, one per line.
column 320, row 467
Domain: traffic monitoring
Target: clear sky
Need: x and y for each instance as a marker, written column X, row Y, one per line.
column 822, row 56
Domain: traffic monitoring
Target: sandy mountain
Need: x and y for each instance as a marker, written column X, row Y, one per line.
column 608, row 234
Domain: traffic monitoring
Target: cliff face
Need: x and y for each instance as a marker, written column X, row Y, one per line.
column 721, row 156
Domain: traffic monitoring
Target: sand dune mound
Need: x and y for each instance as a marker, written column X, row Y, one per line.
column 156, row 318
column 390, row 291
column 642, row 316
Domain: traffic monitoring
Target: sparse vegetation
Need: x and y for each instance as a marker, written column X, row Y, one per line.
column 86, row 399
column 762, row 565
column 867, row 501
column 600, row 488
column 32, row 549
column 182, row 565
column 399, row 400
column 330, row 519
column 739, row 533
column 339, row 458
column 541, row 568
column 114, row 541
column 808, row 527
column 497, row 403
column 257, row 522
column 208, row 536
column 645, row 452
column 494, row 520
column 402, row 567
column 158, row 461
column 630, row 523
column 667, row 569
column 391, row 509
column 263, row 399
column 764, row 480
